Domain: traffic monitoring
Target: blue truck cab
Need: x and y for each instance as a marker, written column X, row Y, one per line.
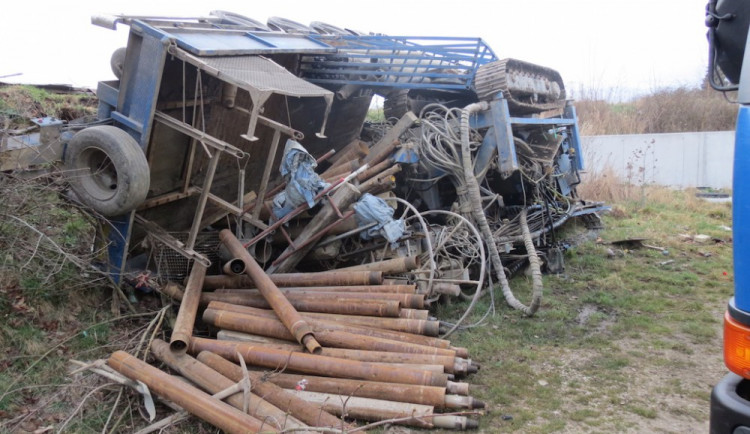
column 729, row 70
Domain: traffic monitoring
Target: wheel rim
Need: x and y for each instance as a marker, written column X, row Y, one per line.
column 100, row 177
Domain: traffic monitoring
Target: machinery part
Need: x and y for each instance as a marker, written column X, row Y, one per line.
column 478, row 213
column 286, row 25
column 727, row 22
column 117, row 61
column 529, row 88
column 107, row 170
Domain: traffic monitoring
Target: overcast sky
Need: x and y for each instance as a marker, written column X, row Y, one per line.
column 615, row 47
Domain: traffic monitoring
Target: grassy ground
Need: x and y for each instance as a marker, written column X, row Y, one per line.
column 626, row 340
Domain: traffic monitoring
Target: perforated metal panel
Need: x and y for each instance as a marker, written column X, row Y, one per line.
column 264, row 75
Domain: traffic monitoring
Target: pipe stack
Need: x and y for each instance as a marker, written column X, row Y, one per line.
column 380, row 353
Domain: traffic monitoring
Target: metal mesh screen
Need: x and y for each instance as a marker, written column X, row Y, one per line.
column 171, row 265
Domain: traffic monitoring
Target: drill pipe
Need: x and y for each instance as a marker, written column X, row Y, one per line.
column 299, row 408
column 183, row 326
column 386, row 308
column 379, row 409
column 389, row 266
column 368, row 289
column 323, row 278
column 410, row 313
column 427, row 395
column 333, row 338
column 324, row 324
column 192, row 399
column 318, row 365
column 410, row 301
column 286, row 312
column 405, row 325
column 383, row 181
column 342, row 353
column 214, row 382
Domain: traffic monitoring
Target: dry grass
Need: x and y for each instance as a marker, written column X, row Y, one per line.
column 663, row 111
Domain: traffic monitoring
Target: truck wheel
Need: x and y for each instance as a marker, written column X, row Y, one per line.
column 107, row 170
column 117, row 62
column 396, row 104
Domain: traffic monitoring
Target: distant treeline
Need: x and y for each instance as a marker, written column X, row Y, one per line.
column 664, row 111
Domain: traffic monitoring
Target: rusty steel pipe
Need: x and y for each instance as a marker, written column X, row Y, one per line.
column 410, row 301
column 414, row 314
column 233, row 267
column 405, row 325
column 286, row 312
column 384, row 308
column 355, row 149
column 323, row 278
column 183, row 325
column 299, row 408
column 375, row 289
column 192, row 399
column 332, row 338
column 314, row 364
column 389, row 266
column 213, row 382
column 374, row 170
column 381, row 181
column 370, row 409
column 427, row 395
column 323, row 323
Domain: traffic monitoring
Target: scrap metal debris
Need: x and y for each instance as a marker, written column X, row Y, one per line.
column 321, row 273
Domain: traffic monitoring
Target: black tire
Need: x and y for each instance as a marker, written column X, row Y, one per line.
column 107, row 170
column 117, row 62
column 396, row 104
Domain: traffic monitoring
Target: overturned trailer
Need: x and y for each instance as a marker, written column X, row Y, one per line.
column 474, row 167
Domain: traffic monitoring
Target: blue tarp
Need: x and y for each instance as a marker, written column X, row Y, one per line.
column 371, row 209
column 302, row 183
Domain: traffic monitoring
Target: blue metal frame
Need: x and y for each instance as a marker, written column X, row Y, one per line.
column 741, row 210
column 411, row 62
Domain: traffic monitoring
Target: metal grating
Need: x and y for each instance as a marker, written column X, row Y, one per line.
column 171, row 265
column 264, row 75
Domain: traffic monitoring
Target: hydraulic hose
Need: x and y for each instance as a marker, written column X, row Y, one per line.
column 475, row 197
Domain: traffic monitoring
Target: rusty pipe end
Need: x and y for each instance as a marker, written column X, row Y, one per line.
column 234, row 266
column 461, row 352
column 311, row 344
column 179, row 343
column 475, row 403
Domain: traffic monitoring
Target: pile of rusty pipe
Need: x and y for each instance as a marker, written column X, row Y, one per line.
column 375, row 289
column 286, row 312
column 331, row 338
column 411, row 301
column 389, row 266
column 356, row 149
column 411, row 361
column 374, row 170
column 384, row 308
column 323, row 278
column 213, row 382
column 183, row 326
column 192, row 399
column 273, row 393
column 317, row 365
column 379, row 409
column 322, row 324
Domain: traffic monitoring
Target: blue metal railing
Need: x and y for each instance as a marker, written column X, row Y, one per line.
column 398, row 61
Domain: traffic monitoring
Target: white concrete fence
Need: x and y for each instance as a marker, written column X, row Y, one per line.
column 675, row 159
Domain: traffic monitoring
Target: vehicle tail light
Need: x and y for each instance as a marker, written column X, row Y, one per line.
column 736, row 346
